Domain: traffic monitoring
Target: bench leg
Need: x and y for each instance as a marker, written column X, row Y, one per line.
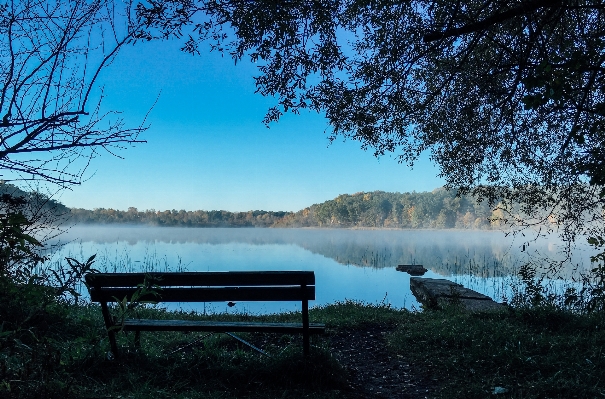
column 306, row 344
column 243, row 341
column 109, row 324
column 112, row 343
column 137, row 339
column 305, row 317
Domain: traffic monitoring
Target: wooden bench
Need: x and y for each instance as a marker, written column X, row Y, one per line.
column 205, row 287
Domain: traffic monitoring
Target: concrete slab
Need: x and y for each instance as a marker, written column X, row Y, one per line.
column 412, row 270
column 437, row 293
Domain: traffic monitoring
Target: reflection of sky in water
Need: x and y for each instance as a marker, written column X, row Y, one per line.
column 477, row 260
column 334, row 282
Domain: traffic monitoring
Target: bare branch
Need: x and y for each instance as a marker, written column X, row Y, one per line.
column 51, row 58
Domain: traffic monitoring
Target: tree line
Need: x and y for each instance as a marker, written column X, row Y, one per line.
column 173, row 217
column 439, row 209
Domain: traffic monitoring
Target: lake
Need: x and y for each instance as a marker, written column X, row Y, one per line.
column 349, row 264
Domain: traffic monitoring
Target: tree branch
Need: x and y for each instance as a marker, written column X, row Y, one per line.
column 523, row 9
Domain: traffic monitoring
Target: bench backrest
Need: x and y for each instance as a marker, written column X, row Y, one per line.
column 205, row 286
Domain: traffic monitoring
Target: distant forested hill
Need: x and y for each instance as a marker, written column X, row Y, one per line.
column 437, row 209
column 37, row 206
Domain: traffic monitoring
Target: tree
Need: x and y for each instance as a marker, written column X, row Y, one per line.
column 508, row 97
column 52, row 124
column 51, row 55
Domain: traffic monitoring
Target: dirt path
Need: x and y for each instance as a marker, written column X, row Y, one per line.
column 374, row 371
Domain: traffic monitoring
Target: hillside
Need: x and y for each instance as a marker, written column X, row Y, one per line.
column 437, row 209
column 35, row 205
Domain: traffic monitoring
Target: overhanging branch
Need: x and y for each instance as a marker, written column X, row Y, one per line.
column 482, row 25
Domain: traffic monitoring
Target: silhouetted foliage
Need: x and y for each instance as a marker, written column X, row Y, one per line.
column 27, row 219
column 507, row 97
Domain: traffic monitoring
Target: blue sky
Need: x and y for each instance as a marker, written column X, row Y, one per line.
column 208, row 149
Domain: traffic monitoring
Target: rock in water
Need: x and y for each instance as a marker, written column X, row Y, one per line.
column 412, row 270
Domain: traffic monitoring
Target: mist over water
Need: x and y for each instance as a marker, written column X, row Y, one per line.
column 349, row 264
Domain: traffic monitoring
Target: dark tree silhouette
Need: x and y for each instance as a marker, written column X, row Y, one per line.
column 51, row 55
column 507, row 97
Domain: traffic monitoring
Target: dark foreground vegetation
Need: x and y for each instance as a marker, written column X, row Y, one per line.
column 57, row 349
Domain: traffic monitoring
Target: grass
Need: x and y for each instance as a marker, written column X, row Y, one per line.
column 58, row 350
column 531, row 352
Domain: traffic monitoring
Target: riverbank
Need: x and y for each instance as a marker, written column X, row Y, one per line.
column 368, row 351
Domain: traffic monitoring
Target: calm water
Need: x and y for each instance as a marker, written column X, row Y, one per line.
column 348, row 264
